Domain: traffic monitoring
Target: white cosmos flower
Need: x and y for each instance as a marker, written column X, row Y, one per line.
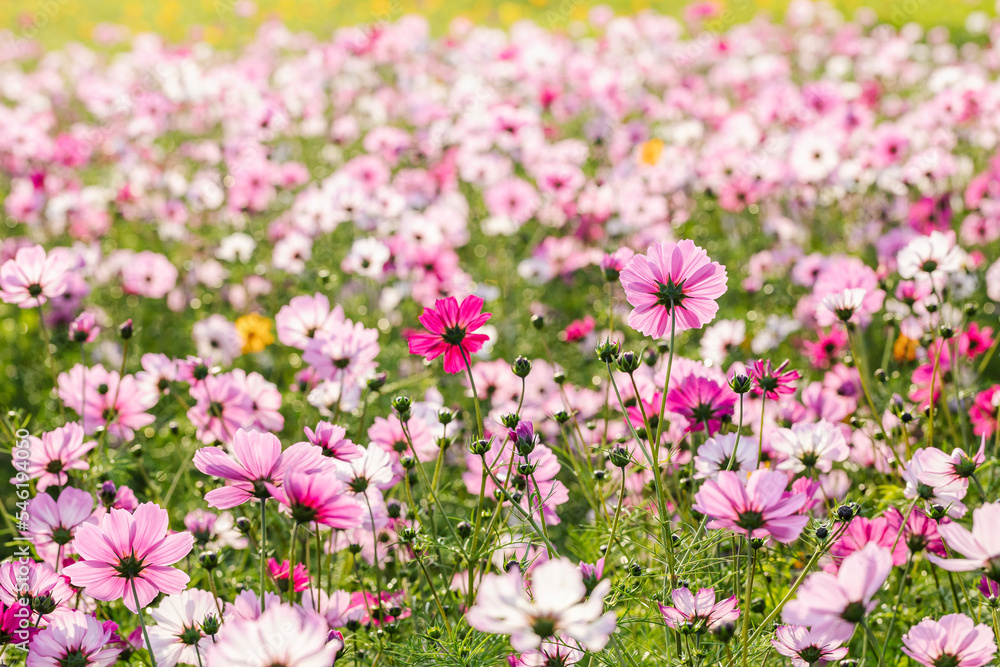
column 178, row 631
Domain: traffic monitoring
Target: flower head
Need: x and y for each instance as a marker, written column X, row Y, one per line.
column 755, row 507
column 33, row 276
column 672, row 285
column 807, row 647
column 130, row 549
column 450, row 328
column 953, row 641
column 773, row 382
column 73, row 639
column 699, row 611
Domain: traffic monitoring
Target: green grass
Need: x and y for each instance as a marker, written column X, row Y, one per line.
column 55, row 22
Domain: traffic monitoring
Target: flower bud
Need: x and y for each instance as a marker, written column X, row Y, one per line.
column 559, row 377
column 394, row 509
column 209, row 560
column 527, row 468
column 402, row 404
column 509, row 420
column 740, row 383
column 538, row 322
column 210, row 626
column 376, row 382
column 464, row 529
column 629, row 362
column 243, row 525
column 445, row 416
column 479, row 447
column 408, row 462
column 521, row 367
column 608, row 351
column 125, row 329
column 620, row 457
column 561, row 417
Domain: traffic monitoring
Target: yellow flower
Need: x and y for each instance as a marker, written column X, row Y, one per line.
column 905, row 348
column 649, row 153
column 255, row 330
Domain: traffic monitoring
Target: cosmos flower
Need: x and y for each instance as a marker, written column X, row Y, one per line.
column 756, row 506
column 177, row 636
column 303, row 640
column 672, row 282
column 955, row 639
column 333, row 440
column 73, row 638
column 128, row 556
column 773, row 383
column 807, row 647
column 53, row 523
column 703, row 402
column 56, row 453
column 980, row 546
column 716, row 454
column 834, row 604
column 806, row 446
column 558, row 605
column 320, row 498
column 33, row 276
column 450, row 332
column 698, row 611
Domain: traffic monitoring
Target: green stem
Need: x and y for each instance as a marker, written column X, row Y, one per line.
column 614, row 526
column 475, row 394
column 263, row 553
column 52, row 363
column 895, row 607
column 142, row 623
column 746, row 603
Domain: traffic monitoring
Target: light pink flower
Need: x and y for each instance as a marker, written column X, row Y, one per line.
column 320, row 498
column 259, row 462
column 558, row 606
column 302, row 641
column 698, row 611
column 333, row 440
column 807, row 647
column 53, row 523
column 755, row 507
column 220, row 409
column 834, row 604
column 74, row 639
column 130, row 549
column 807, row 446
column 672, row 281
column 953, row 640
column 33, row 277
column 56, row 453
column 980, row 546
column 717, row 455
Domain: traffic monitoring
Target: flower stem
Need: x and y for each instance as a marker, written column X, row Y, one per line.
column 52, row 363
column 263, row 552
column 746, row 602
column 291, row 563
column 142, row 623
column 614, row 526
column 475, row 394
column 895, row 607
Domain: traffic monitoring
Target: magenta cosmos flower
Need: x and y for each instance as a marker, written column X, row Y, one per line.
column 772, row 382
column 835, row 603
column 698, row 611
column 703, row 402
column 33, row 277
column 450, row 326
column 672, row 281
column 259, row 465
column 757, row 507
column 955, row 640
column 130, row 550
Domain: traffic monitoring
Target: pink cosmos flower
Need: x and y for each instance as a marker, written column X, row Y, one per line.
column 84, row 328
column 33, row 277
column 672, row 285
column 345, row 355
column 303, row 642
column 772, row 382
column 43, row 590
column 935, row 255
column 320, row 498
column 980, row 546
column 129, row 556
column 258, row 468
column 807, row 647
column 834, row 604
column 220, row 409
column 265, row 399
column 698, row 612
column 558, row 606
column 703, row 402
column 117, row 403
column 755, row 507
column 920, row 532
column 953, row 640
column 149, row 274
column 53, row 523
column 863, row 531
column 940, row 469
column 333, row 440
column 451, row 326
column 808, row 446
column 56, row 453
column 936, row 489
column 74, row 639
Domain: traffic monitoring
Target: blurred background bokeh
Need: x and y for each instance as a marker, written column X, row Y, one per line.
column 231, row 22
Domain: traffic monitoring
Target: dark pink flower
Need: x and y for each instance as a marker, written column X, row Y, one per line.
column 451, row 328
column 772, row 382
column 705, row 403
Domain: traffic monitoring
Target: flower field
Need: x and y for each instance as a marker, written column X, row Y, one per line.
column 657, row 341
